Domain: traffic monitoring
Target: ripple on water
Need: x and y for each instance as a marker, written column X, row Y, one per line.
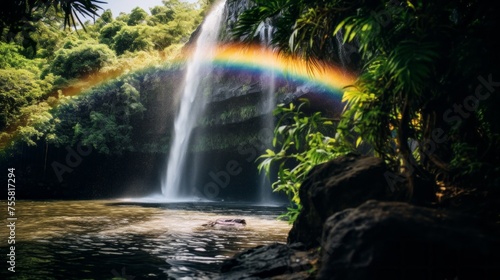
column 90, row 239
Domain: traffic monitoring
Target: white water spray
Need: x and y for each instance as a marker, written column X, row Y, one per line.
column 191, row 106
column 268, row 78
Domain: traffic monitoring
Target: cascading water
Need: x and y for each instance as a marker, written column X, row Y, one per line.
column 268, row 78
column 191, row 105
column 345, row 50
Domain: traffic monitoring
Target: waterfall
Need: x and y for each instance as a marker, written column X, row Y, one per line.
column 268, row 78
column 191, row 105
column 345, row 49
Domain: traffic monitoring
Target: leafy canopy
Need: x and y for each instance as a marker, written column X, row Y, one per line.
column 422, row 100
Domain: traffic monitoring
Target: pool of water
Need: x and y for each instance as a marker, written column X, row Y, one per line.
column 114, row 239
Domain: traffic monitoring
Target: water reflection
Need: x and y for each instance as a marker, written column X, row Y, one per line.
column 113, row 239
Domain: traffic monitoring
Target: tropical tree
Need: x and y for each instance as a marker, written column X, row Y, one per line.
column 39, row 125
column 133, row 38
column 11, row 57
column 19, row 18
column 81, row 59
column 102, row 118
column 162, row 14
column 108, row 32
column 105, row 18
column 16, row 14
column 137, row 16
column 18, row 88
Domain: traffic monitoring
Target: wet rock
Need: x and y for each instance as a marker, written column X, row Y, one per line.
column 275, row 261
column 226, row 223
column 394, row 240
column 342, row 183
column 231, row 12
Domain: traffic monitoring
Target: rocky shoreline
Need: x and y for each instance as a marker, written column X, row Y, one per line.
column 354, row 226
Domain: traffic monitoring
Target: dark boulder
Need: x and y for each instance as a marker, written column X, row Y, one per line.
column 344, row 182
column 394, row 240
column 275, row 261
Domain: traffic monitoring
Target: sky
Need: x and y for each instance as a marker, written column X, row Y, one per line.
column 126, row 6
column 118, row 6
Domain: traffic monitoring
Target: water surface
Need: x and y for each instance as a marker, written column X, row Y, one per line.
column 122, row 240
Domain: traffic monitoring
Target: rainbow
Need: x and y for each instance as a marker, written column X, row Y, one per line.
column 233, row 57
column 244, row 57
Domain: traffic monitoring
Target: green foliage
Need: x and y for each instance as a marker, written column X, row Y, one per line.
column 163, row 37
column 301, row 144
column 18, row 18
column 106, row 17
column 402, row 58
column 11, row 57
column 186, row 17
column 18, row 88
column 101, row 118
column 420, row 63
column 137, row 16
column 104, row 133
column 84, row 59
column 41, row 46
column 162, row 15
column 301, row 27
column 40, row 124
column 133, row 38
column 109, row 31
column 47, row 35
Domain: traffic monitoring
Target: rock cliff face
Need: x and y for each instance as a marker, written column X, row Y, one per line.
column 232, row 10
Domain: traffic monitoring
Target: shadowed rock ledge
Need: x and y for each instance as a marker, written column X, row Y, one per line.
column 276, row 261
column 350, row 229
column 342, row 183
column 395, row 240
